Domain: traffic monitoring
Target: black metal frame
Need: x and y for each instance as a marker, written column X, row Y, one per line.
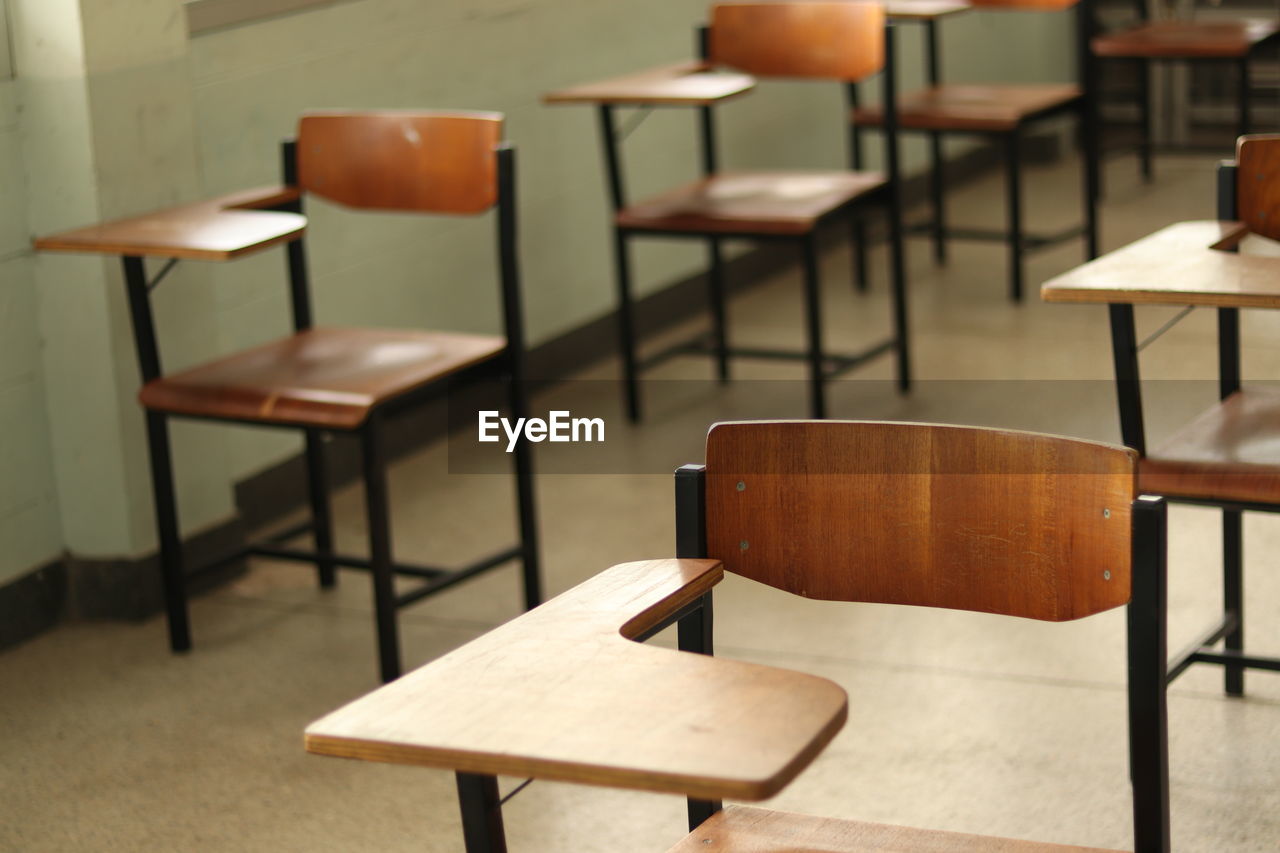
column 821, row 365
column 1011, row 143
column 380, row 563
column 1146, row 137
column 1229, row 628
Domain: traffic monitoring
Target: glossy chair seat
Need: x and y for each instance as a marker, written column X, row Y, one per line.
column 1229, row 453
column 321, row 377
column 1186, row 40
column 974, row 107
column 742, row 829
column 756, row 203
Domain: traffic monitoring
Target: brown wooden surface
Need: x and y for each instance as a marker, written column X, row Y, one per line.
column 323, row 377
column 689, row 83
column 433, row 162
column 940, row 516
column 1186, row 39
column 1175, row 266
column 924, row 10
column 1025, row 5
column 995, row 107
column 750, row 202
column 1258, row 183
column 1231, row 452
column 830, row 41
column 740, row 829
column 216, row 229
column 561, row 693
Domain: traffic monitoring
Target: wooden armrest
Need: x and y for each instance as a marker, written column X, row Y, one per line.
column 216, row 229
column 562, row 693
column 924, row 10
column 688, row 83
column 1182, row 264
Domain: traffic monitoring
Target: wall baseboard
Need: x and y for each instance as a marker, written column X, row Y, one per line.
column 129, row 588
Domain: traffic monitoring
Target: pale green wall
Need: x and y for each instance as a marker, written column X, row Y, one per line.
column 29, row 531
column 122, row 112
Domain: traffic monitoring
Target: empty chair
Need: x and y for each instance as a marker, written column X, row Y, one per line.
column 1228, row 457
column 833, row 41
column 328, row 379
column 999, row 522
column 1004, row 112
column 1215, row 41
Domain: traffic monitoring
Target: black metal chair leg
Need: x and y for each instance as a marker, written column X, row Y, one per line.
column 858, row 239
column 719, row 317
column 321, row 517
column 937, row 191
column 482, row 829
column 526, row 500
column 1090, row 167
column 1148, row 701
column 1013, row 169
column 1146, row 129
column 1243, row 96
column 694, row 634
column 813, row 323
column 626, row 325
column 1233, row 594
column 172, row 573
column 380, row 566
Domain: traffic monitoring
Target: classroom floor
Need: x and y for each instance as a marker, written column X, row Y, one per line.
column 957, row 721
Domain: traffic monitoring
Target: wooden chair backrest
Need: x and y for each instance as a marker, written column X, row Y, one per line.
column 831, row 41
column 430, row 162
column 941, row 516
column 1258, row 183
column 1027, row 5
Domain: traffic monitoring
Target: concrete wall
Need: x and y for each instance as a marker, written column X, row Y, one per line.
column 116, row 110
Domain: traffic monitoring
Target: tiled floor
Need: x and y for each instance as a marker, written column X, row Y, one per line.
column 958, row 721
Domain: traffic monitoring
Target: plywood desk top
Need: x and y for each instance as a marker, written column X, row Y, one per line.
column 924, row 10
column 1183, row 264
column 1181, row 39
column 561, row 693
column 217, row 229
column 682, row 83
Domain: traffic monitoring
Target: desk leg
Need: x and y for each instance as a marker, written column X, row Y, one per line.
column 162, row 490
column 481, row 807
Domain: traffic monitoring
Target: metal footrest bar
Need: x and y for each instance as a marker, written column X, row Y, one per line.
column 1183, row 659
column 1240, row 658
column 449, row 578
column 697, row 345
column 345, row 560
column 1030, row 242
column 834, row 363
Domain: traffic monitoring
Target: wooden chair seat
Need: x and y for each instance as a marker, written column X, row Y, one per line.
column 767, row 203
column 323, row 377
column 996, row 108
column 1230, row 453
column 749, row 830
column 1195, row 39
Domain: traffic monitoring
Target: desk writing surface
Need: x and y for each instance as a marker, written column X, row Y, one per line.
column 560, row 693
column 682, row 83
column 216, row 229
column 924, row 10
column 1175, row 266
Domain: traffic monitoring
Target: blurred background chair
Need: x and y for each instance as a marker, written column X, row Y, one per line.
column 835, row 41
column 1003, row 111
